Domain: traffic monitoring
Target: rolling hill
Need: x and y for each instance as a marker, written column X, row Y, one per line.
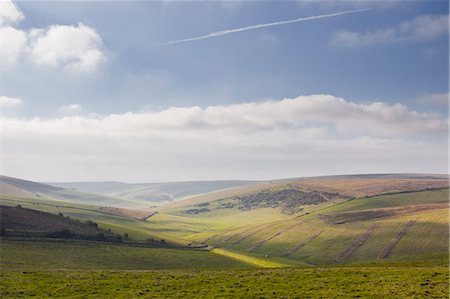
column 372, row 236
column 321, row 220
column 38, row 191
column 155, row 193
column 326, row 220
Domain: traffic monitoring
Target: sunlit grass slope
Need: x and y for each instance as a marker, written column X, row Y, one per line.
column 354, row 231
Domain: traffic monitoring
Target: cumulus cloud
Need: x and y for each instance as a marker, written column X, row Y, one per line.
column 420, row 29
column 297, row 115
column 77, row 48
column 10, row 14
column 318, row 134
column 14, row 45
column 9, row 103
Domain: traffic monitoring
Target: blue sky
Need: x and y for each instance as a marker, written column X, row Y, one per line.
column 395, row 54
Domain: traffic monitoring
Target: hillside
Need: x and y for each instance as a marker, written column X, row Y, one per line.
column 373, row 185
column 325, row 220
column 348, row 186
column 38, row 191
column 398, row 226
column 22, row 222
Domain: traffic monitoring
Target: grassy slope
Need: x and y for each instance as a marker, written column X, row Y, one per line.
column 276, row 237
column 346, row 282
column 262, row 232
column 136, row 229
column 394, row 200
column 80, row 255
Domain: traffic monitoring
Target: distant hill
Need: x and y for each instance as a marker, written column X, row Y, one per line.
column 152, row 192
column 292, row 192
column 28, row 186
column 39, row 191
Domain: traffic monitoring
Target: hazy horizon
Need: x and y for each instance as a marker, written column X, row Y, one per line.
column 239, row 179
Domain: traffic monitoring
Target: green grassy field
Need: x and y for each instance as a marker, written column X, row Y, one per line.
column 333, row 282
column 81, row 255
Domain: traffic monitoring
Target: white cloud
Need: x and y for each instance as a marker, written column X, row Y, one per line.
column 421, row 29
column 319, row 134
column 435, row 98
column 10, row 14
column 76, row 48
column 72, row 109
column 293, row 115
column 10, row 103
column 13, row 46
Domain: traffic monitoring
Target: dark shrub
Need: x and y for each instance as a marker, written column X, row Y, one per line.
column 63, row 234
column 91, row 223
column 100, row 237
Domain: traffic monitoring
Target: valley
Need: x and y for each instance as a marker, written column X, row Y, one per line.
column 358, row 224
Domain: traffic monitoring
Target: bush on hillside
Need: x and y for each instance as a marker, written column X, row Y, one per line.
column 63, row 234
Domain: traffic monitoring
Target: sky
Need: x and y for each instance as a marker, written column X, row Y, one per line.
column 148, row 91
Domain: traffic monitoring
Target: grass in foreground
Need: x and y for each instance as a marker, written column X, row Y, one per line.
column 342, row 282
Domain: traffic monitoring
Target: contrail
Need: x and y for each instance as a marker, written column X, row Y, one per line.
column 229, row 31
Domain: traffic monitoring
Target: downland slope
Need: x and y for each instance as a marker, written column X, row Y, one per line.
column 318, row 221
column 360, row 235
column 325, row 220
column 366, row 244
column 38, row 240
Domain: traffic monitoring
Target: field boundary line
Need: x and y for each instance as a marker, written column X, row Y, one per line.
column 401, row 233
column 239, row 240
column 280, row 232
column 355, row 244
column 235, row 235
column 302, row 243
